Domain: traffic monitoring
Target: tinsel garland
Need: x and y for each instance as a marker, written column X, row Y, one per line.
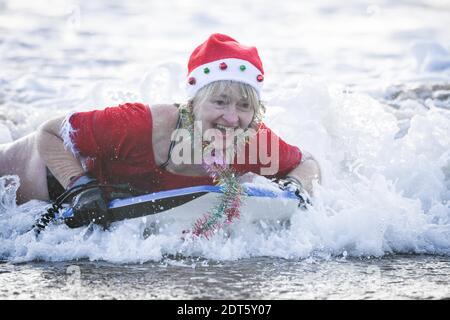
column 229, row 204
column 228, row 207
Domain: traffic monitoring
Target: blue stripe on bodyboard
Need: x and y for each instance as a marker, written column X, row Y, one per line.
column 250, row 191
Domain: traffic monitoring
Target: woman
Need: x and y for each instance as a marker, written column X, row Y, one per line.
column 163, row 146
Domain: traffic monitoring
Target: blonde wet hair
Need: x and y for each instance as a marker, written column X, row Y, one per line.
column 246, row 91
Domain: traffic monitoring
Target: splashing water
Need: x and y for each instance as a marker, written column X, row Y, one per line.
column 381, row 193
column 382, row 138
column 8, row 190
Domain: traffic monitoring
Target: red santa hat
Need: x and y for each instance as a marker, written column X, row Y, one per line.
column 221, row 57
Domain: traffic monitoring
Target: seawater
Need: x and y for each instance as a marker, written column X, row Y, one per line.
column 363, row 87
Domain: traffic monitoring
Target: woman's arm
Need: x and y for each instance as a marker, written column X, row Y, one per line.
column 61, row 162
column 306, row 172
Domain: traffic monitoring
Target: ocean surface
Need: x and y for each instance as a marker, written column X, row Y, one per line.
column 363, row 86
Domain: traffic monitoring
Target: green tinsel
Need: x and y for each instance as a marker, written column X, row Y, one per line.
column 232, row 192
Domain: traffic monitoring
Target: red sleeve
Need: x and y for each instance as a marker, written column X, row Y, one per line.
column 264, row 158
column 115, row 133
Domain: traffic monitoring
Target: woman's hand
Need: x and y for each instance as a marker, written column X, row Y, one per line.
column 90, row 205
column 307, row 172
column 295, row 186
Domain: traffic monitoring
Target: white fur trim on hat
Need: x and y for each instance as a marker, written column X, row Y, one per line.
column 232, row 72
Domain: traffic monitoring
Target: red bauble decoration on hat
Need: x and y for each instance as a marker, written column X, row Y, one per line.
column 192, row 81
column 223, row 66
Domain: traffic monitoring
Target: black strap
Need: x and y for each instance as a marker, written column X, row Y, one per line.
column 51, row 212
column 172, row 144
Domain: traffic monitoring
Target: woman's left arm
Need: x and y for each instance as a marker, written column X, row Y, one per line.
column 307, row 171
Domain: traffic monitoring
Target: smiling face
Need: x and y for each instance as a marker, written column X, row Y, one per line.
column 225, row 106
